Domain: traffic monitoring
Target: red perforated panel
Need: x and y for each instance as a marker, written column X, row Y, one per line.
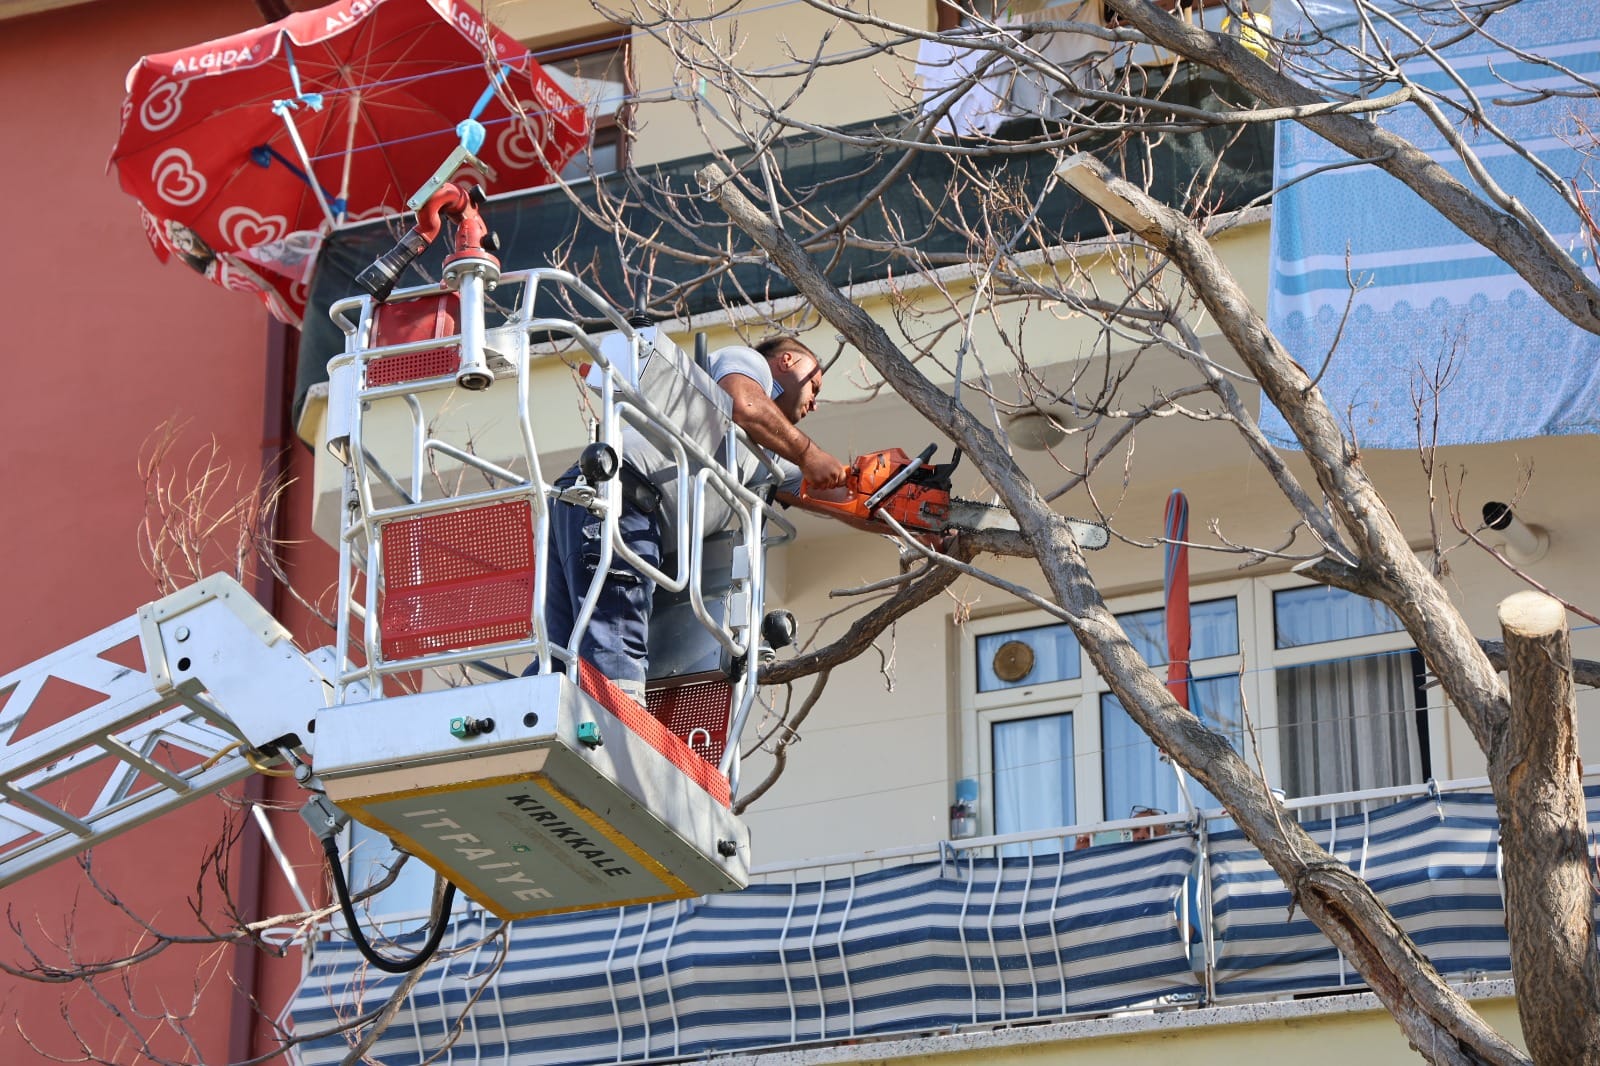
column 421, row 319
column 460, row 579
column 697, row 769
column 413, row 366
column 687, row 709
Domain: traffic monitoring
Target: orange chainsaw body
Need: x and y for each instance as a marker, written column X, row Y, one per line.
column 921, row 506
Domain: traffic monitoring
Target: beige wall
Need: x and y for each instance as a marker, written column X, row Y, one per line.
column 761, row 42
column 904, row 742
column 1326, row 1032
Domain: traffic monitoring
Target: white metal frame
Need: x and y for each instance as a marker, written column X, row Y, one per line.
column 621, row 403
column 218, row 677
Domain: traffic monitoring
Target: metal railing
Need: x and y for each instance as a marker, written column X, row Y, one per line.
column 379, row 491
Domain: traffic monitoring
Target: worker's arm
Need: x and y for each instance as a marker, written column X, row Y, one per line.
column 760, row 418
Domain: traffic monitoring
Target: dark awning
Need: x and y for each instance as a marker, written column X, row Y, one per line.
column 830, row 179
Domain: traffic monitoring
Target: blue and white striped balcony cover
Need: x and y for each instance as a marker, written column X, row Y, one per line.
column 915, row 948
column 921, row 947
column 1434, row 863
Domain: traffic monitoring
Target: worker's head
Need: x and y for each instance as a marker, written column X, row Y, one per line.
column 796, row 372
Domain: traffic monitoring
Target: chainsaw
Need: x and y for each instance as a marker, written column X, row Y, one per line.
column 915, row 492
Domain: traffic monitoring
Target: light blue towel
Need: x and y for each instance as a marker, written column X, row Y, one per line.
column 1431, row 298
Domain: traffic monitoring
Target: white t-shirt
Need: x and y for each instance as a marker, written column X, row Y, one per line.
column 738, row 359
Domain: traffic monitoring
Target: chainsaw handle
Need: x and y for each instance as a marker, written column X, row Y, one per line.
column 875, row 501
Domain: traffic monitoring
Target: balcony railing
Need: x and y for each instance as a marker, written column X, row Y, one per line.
column 934, row 938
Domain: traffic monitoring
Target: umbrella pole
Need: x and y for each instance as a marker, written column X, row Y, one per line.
column 305, row 161
column 349, row 148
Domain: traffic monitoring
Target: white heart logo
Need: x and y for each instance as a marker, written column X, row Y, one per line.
column 235, row 276
column 162, row 105
column 176, row 180
column 380, row 211
column 243, row 228
column 520, row 143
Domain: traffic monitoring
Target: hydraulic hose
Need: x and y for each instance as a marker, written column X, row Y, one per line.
column 387, row 965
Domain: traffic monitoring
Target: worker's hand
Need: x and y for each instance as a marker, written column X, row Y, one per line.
column 821, row 470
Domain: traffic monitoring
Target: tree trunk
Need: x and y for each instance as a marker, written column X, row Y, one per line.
column 1539, row 792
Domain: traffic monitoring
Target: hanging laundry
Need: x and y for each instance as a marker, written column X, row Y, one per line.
column 1430, row 306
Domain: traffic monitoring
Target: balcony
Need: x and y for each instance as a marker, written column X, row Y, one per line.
column 830, row 177
column 943, row 938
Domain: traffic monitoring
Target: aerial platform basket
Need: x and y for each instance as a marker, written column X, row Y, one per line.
column 537, row 794
column 541, row 800
column 553, row 792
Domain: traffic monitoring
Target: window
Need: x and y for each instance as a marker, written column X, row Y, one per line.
column 1332, row 688
column 596, row 72
column 1030, row 790
column 1345, row 723
column 1027, row 657
column 1136, row 776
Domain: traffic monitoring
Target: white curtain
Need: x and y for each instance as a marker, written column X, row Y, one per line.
column 1033, row 774
column 1348, row 724
column 1213, row 631
column 1054, row 650
column 1135, row 775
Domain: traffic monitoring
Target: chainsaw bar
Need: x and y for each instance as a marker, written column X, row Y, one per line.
column 977, row 517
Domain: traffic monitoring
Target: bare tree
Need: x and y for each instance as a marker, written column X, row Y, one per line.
column 982, row 245
column 971, row 244
column 202, row 516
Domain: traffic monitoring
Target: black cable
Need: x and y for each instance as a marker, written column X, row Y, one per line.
column 331, row 849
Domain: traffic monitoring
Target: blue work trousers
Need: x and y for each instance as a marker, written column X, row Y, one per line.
column 616, row 640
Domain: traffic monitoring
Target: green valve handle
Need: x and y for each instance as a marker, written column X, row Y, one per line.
column 466, row 727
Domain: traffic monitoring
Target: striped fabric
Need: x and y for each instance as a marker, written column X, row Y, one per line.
column 919, row 947
column 1429, row 297
column 1434, row 863
column 913, row 948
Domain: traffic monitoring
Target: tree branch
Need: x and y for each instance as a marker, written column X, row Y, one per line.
column 1431, row 1014
column 1546, row 268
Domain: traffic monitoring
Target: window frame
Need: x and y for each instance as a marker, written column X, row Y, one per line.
column 614, row 129
column 1256, row 662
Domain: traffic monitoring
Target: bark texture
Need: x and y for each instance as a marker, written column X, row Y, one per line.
column 1539, row 793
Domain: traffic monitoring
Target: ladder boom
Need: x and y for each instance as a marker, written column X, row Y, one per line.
column 220, row 677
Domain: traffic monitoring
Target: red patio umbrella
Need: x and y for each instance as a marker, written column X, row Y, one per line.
column 239, row 146
column 1175, row 582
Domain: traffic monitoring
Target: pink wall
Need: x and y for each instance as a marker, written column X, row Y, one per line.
column 102, row 344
